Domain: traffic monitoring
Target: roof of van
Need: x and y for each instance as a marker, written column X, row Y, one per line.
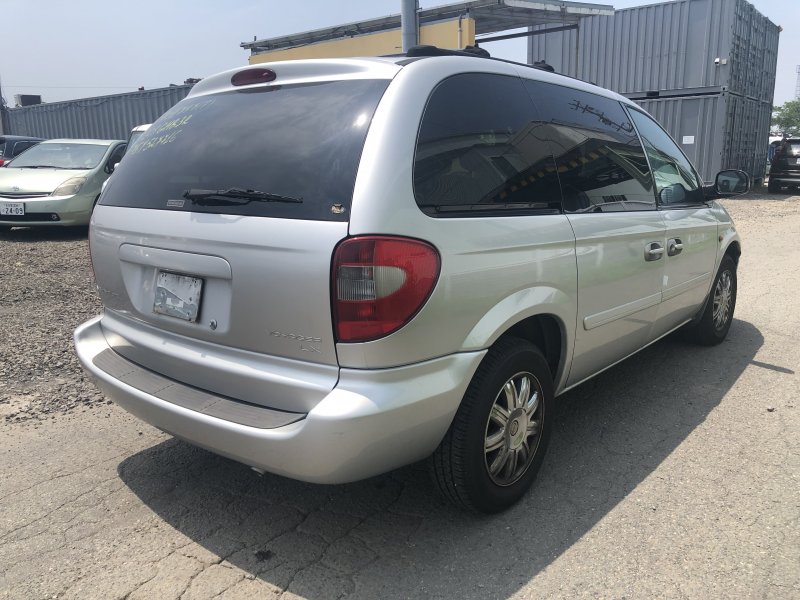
column 386, row 67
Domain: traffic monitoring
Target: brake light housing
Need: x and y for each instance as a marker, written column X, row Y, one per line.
column 252, row 76
column 379, row 284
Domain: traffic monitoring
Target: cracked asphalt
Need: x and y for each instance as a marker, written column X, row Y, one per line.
column 673, row 475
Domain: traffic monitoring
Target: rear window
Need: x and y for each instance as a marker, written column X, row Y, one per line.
column 301, row 142
column 2, row 147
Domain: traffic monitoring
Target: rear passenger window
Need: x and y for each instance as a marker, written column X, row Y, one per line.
column 601, row 164
column 481, row 149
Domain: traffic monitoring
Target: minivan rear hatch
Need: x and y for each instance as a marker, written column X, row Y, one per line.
column 212, row 242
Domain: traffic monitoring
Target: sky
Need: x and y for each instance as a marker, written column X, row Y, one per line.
column 83, row 48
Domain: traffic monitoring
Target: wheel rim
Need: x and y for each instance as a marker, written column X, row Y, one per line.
column 513, row 429
column 723, row 299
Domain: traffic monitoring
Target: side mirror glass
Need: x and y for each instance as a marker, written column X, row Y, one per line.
column 731, row 182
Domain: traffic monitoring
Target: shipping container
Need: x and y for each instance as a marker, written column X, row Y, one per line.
column 701, row 45
column 104, row 117
column 723, row 131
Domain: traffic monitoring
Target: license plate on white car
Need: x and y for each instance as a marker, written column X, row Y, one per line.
column 16, row 209
column 178, row 296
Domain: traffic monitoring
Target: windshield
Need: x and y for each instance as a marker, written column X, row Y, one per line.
column 2, row 147
column 300, row 141
column 61, row 156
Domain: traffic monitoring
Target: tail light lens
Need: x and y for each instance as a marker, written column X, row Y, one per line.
column 379, row 284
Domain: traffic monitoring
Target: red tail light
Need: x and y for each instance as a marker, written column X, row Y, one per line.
column 379, row 284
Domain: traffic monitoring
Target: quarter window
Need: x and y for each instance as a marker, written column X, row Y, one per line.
column 601, row 164
column 481, row 150
column 676, row 180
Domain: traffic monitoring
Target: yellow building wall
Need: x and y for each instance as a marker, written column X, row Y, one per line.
column 443, row 34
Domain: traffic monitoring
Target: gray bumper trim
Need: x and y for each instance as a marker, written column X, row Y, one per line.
column 192, row 398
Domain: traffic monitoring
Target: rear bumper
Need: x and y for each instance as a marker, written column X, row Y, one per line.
column 785, row 178
column 371, row 422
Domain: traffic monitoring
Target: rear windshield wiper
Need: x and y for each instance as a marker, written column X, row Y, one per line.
column 42, row 167
column 237, row 195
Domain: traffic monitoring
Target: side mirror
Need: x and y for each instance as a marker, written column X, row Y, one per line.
column 731, row 182
column 673, row 194
column 111, row 165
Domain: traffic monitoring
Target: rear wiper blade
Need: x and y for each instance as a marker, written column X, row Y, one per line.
column 237, row 195
column 40, row 167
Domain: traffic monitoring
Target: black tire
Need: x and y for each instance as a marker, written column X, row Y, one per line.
column 773, row 187
column 460, row 467
column 711, row 330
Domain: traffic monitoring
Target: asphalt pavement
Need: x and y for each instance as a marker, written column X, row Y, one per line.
column 673, row 475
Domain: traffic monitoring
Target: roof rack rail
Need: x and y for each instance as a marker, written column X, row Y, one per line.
column 474, row 51
column 425, row 50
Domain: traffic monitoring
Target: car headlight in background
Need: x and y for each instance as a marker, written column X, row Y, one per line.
column 69, row 187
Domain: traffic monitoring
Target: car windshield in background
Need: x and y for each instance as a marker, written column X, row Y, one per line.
column 296, row 141
column 60, row 156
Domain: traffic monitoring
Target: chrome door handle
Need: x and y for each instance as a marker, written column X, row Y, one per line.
column 653, row 251
column 674, row 247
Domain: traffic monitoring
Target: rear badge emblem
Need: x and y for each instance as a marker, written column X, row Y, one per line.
column 175, row 203
column 14, row 189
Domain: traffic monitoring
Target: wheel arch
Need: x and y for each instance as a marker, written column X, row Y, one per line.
column 546, row 332
column 734, row 250
column 543, row 315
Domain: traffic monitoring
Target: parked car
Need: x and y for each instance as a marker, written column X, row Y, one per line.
column 396, row 258
column 785, row 168
column 12, row 145
column 56, row 182
column 137, row 132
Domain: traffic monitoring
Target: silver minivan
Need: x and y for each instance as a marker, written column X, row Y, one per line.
column 327, row 269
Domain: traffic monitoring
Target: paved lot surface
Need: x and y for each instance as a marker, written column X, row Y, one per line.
column 673, row 475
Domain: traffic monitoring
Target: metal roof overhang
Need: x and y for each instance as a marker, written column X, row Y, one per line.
column 490, row 16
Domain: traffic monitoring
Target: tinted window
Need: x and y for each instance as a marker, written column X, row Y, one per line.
column 2, row 147
column 295, row 141
column 20, row 147
column 61, row 156
column 676, row 181
column 118, row 154
column 480, row 149
column 601, row 164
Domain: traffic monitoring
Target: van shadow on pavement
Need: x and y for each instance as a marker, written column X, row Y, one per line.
column 394, row 536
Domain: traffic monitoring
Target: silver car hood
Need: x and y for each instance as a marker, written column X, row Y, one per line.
column 19, row 181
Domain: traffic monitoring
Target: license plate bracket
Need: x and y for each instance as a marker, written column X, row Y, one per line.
column 16, row 209
column 178, row 295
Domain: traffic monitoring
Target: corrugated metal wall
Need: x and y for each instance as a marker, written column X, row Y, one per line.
column 727, row 131
column 669, row 46
column 104, row 117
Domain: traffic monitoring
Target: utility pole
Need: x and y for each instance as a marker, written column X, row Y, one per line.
column 409, row 25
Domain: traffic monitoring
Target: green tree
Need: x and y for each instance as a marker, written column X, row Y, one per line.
column 787, row 117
